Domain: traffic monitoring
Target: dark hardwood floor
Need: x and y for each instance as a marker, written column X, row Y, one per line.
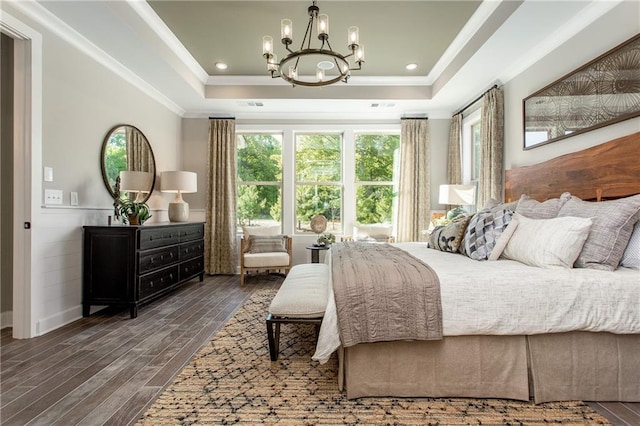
column 107, row 369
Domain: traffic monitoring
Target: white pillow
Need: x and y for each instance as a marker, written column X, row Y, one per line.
column 547, row 243
column 263, row 231
column 504, row 239
column 631, row 256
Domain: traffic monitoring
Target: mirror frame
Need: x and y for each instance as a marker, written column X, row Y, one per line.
column 105, row 142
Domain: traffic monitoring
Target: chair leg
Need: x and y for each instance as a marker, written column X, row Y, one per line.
column 273, row 343
column 242, row 278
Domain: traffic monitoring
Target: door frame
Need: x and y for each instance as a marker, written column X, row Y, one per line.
column 27, row 182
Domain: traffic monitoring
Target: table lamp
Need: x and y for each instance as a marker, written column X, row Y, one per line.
column 179, row 182
column 138, row 182
column 457, row 195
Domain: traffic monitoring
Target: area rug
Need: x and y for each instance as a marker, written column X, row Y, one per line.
column 232, row 381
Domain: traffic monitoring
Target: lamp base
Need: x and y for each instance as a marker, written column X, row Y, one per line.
column 178, row 212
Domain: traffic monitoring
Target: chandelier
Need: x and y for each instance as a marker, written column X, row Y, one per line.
column 297, row 67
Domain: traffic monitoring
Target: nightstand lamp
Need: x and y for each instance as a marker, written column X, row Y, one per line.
column 457, row 195
column 179, row 182
column 138, row 182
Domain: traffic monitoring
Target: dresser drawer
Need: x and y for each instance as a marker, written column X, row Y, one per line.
column 158, row 281
column 159, row 237
column 191, row 232
column 155, row 259
column 191, row 268
column 189, row 250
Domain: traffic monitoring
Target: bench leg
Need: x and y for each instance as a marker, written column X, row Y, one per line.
column 273, row 340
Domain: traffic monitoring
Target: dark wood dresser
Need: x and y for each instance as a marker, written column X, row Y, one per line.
column 131, row 265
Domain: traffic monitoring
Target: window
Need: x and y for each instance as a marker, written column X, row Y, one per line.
column 376, row 169
column 259, row 179
column 318, row 173
column 471, row 147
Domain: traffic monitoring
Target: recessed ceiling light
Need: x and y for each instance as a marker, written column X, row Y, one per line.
column 221, row 65
column 412, row 67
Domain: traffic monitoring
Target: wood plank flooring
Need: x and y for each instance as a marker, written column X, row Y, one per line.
column 107, row 369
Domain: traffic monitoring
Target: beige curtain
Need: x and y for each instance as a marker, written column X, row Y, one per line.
column 414, row 193
column 454, row 159
column 139, row 157
column 492, row 148
column 220, row 229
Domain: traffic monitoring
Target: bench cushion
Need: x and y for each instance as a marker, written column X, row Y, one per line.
column 266, row 260
column 303, row 293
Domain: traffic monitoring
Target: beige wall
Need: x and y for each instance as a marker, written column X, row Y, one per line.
column 620, row 24
column 81, row 100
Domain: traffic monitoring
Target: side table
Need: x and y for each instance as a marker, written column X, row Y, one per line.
column 315, row 252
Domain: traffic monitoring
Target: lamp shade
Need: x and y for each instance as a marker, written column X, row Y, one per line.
column 179, row 181
column 461, row 195
column 135, row 181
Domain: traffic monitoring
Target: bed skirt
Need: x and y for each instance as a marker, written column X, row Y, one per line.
column 554, row 367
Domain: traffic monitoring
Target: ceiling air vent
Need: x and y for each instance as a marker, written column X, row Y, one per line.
column 383, row 105
column 251, row 104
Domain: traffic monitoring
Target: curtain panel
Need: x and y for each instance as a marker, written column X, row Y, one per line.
column 139, row 157
column 414, row 190
column 454, row 151
column 492, row 147
column 221, row 255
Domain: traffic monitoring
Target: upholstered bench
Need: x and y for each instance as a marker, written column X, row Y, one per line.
column 301, row 299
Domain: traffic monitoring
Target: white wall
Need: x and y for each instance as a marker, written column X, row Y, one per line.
column 81, row 101
column 615, row 27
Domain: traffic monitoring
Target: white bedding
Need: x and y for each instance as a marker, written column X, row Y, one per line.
column 506, row 297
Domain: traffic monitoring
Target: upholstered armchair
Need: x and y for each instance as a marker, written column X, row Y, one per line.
column 262, row 248
column 371, row 233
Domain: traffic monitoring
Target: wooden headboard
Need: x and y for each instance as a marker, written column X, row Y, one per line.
column 608, row 170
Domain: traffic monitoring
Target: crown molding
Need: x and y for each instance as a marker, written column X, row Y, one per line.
column 44, row 17
column 156, row 24
column 356, row 80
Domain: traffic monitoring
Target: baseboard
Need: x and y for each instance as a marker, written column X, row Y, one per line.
column 58, row 320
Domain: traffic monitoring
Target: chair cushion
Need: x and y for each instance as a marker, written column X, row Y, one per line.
column 266, row 260
column 266, row 244
column 303, row 293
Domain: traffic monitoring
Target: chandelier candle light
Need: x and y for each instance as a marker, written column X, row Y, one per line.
column 331, row 66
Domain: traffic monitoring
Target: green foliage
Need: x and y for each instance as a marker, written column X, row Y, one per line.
column 325, row 239
column 375, row 157
column 259, row 160
column 374, row 204
column 250, row 204
column 115, row 157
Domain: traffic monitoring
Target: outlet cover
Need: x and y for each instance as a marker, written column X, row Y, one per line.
column 52, row 196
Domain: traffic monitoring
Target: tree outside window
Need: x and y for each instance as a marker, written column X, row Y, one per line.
column 377, row 157
column 318, row 161
column 259, row 179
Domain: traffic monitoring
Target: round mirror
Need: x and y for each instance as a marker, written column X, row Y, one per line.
column 126, row 149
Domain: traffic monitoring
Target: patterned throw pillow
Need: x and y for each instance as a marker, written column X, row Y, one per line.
column 266, row 244
column 448, row 238
column 483, row 231
column 631, row 256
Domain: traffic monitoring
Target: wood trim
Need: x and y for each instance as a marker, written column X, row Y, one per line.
column 608, row 170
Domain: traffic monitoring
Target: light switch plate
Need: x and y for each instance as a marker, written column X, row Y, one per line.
column 74, row 198
column 48, row 174
column 52, row 196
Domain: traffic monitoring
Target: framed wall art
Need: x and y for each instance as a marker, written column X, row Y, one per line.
column 602, row 92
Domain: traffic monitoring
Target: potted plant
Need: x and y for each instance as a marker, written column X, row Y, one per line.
column 326, row 239
column 132, row 212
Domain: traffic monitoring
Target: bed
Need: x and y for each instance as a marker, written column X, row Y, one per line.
column 562, row 335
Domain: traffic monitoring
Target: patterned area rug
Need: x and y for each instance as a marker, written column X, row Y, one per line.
column 232, row 381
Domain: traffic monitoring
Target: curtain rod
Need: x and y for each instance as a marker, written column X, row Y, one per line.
column 414, row 118
column 476, row 99
column 222, row 118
